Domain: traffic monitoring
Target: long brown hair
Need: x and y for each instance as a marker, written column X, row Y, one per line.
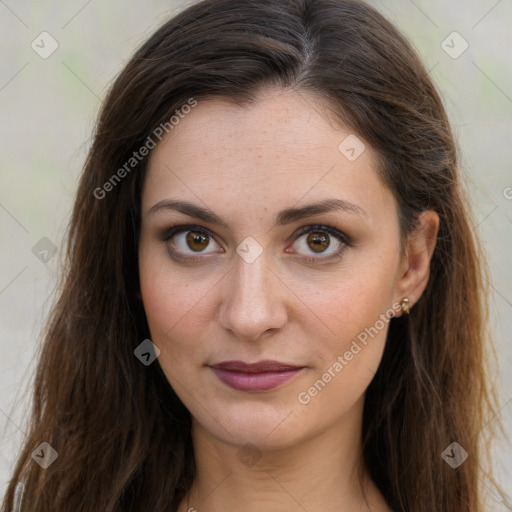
column 116, row 423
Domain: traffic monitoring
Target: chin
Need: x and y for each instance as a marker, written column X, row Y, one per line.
column 267, row 426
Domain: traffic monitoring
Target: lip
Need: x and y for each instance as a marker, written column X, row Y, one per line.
column 259, row 376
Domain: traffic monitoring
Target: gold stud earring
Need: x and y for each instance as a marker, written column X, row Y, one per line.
column 405, row 305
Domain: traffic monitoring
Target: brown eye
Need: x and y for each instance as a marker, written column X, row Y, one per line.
column 185, row 241
column 324, row 241
column 318, row 241
column 197, row 241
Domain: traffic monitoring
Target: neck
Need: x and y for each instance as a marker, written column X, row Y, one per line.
column 318, row 474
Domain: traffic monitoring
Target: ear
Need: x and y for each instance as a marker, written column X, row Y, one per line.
column 415, row 265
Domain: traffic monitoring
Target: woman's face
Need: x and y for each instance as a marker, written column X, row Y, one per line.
column 253, row 281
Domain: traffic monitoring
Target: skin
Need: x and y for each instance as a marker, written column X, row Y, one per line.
column 246, row 164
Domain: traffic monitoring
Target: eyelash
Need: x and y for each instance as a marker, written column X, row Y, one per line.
column 341, row 237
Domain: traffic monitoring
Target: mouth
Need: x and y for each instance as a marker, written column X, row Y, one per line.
column 260, row 376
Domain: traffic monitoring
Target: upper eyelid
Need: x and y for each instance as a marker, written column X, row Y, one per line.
column 322, row 227
column 183, row 228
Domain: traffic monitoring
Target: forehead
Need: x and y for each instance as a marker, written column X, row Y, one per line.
column 283, row 148
column 290, row 120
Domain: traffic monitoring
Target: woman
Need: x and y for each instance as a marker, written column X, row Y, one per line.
column 273, row 295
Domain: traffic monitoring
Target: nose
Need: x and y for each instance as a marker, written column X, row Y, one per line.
column 254, row 300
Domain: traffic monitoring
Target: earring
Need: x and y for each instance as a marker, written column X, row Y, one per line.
column 405, row 305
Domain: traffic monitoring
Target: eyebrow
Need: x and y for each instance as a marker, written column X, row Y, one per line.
column 286, row 216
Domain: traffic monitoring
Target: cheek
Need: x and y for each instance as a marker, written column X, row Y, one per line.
column 357, row 309
column 174, row 305
column 350, row 302
column 173, row 327
column 358, row 315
